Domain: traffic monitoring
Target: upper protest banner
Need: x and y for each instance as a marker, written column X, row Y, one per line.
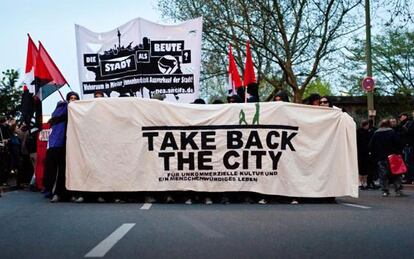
column 130, row 144
column 142, row 56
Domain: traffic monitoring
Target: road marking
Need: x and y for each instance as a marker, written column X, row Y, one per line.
column 203, row 229
column 355, row 205
column 146, row 206
column 105, row 245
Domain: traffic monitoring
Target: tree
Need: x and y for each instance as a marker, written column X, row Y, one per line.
column 318, row 86
column 289, row 38
column 393, row 61
column 394, row 12
column 9, row 93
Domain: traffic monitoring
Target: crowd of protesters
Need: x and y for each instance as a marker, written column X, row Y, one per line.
column 18, row 150
column 376, row 145
column 17, row 153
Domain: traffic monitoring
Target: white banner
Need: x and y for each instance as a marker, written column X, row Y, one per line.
column 142, row 56
column 130, row 144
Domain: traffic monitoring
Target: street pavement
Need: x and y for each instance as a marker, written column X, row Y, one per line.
column 368, row 227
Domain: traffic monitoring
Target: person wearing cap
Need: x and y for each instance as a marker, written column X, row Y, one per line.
column 55, row 154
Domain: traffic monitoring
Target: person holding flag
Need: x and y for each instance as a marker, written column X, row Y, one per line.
column 234, row 78
column 54, row 178
column 42, row 78
column 249, row 78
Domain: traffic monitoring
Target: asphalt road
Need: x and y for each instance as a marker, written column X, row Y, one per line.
column 368, row 227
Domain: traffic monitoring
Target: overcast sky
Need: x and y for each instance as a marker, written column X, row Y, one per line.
column 53, row 23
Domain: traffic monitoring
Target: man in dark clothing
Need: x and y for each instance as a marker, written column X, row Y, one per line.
column 372, row 165
column 406, row 133
column 384, row 143
column 5, row 134
column 394, row 123
column 405, row 129
column 363, row 138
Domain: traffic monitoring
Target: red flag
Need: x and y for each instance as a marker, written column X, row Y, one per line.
column 249, row 76
column 234, row 77
column 41, row 73
column 47, row 75
column 54, row 71
column 30, row 65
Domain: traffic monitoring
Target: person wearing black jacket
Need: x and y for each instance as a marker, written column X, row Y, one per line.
column 384, row 143
column 363, row 138
column 5, row 134
column 406, row 132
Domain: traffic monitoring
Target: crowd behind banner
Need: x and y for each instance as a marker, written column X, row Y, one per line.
column 18, row 158
column 17, row 152
column 375, row 145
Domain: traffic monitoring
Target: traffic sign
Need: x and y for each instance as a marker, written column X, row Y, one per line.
column 368, row 84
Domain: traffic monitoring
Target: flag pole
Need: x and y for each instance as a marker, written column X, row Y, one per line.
column 69, row 85
column 61, row 94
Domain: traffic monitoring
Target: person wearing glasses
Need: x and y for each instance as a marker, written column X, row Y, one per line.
column 325, row 101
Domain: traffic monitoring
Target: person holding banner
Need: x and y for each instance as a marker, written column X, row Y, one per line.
column 281, row 96
column 98, row 94
column 313, row 99
column 54, row 178
column 325, row 102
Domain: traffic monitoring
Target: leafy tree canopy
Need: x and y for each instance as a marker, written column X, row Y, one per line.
column 393, row 63
column 289, row 38
column 9, row 93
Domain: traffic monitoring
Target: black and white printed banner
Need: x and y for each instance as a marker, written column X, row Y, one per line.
column 142, row 56
column 130, row 144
